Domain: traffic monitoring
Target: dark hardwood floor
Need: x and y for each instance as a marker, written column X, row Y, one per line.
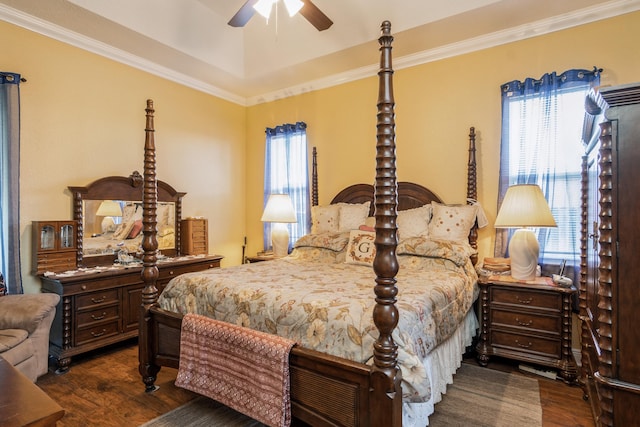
column 104, row 389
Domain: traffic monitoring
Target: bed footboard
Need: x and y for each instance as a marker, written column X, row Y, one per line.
column 325, row 390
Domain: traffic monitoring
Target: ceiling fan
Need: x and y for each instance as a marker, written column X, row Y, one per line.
column 309, row 10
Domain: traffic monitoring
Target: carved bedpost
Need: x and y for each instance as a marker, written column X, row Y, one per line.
column 386, row 400
column 314, row 178
column 77, row 213
column 147, row 369
column 472, row 189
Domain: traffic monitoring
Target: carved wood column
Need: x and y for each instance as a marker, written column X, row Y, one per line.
column 149, row 274
column 385, row 374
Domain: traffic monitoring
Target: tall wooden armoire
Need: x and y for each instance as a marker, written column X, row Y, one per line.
column 610, row 256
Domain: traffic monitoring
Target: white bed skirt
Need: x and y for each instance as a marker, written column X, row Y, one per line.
column 441, row 364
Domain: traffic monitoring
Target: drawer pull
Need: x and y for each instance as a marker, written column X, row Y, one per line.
column 94, row 317
column 98, row 334
column 98, row 300
column 171, row 272
column 523, row 345
column 524, row 301
column 529, row 323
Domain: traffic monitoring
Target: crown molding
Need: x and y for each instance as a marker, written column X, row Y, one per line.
column 579, row 17
column 72, row 38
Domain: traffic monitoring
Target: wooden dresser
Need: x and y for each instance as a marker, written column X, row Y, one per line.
column 528, row 321
column 195, row 236
column 100, row 306
column 609, row 287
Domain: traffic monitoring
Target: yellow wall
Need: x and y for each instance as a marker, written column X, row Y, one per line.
column 436, row 103
column 83, row 118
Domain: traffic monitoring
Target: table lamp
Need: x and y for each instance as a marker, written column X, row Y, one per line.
column 109, row 209
column 524, row 206
column 279, row 210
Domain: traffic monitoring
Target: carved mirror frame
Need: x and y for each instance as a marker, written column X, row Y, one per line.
column 127, row 189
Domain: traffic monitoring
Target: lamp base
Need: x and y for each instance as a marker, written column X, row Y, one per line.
column 523, row 251
column 279, row 239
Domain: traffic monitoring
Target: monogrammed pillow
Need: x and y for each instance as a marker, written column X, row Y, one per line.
column 361, row 248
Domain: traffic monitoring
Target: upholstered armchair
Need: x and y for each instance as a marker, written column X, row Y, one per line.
column 25, row 322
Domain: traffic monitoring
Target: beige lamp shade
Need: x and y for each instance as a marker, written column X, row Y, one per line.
column 109, row 208
column 278, row 211
column 524, row 206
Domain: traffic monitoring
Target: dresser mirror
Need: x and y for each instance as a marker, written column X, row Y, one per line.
column 109, row 215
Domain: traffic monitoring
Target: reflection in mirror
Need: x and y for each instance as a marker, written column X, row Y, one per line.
column 112, row 225
column 109, row 213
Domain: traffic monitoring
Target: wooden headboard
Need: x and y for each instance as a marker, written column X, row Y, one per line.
column 410, row 195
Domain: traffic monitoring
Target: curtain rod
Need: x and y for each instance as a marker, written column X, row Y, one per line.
column 4, row 74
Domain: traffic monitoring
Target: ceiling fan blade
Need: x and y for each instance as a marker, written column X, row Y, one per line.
column 315, row 16
column 243, row 15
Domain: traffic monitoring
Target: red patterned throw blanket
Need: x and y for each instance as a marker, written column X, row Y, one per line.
column 244, row 369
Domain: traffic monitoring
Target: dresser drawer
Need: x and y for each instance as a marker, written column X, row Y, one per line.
column 527, row 298
column 168, row 273
column 97, row 332
column 106, row 297
column 101, row 314
column 526, row 343
column 199, row 246
column 198, row 227
column 551, row 324
column 58, row 262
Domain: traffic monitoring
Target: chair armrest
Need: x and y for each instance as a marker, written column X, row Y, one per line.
column 26, row 311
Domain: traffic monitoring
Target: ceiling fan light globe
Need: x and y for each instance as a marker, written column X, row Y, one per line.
column 293, row 6
column 263, row 7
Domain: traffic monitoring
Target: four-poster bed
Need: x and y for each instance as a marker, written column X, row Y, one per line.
column 326, row 388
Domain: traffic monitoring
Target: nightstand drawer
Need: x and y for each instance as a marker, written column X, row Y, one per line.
column 97, row 332
column 527, row 298
column 109, row 296
column 528, row 321
column 526, row 343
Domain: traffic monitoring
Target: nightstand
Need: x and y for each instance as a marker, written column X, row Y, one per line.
column 527, row 321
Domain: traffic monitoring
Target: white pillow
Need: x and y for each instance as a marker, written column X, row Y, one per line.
column 414, row 222
column 352, row 215
column 452, row 222
column 361, row 248
column 325, row 219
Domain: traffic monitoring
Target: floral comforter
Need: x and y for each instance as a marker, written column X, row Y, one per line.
column 313, row 297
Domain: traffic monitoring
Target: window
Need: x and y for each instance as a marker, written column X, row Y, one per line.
column 541, row 144
column 286, row 171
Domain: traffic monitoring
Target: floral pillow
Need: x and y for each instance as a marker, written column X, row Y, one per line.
column 332, row 241
column 452, row 222
column 414, row 222
column 352, row 215
column 325, row 219
column 459, row 253
column 361, row 248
